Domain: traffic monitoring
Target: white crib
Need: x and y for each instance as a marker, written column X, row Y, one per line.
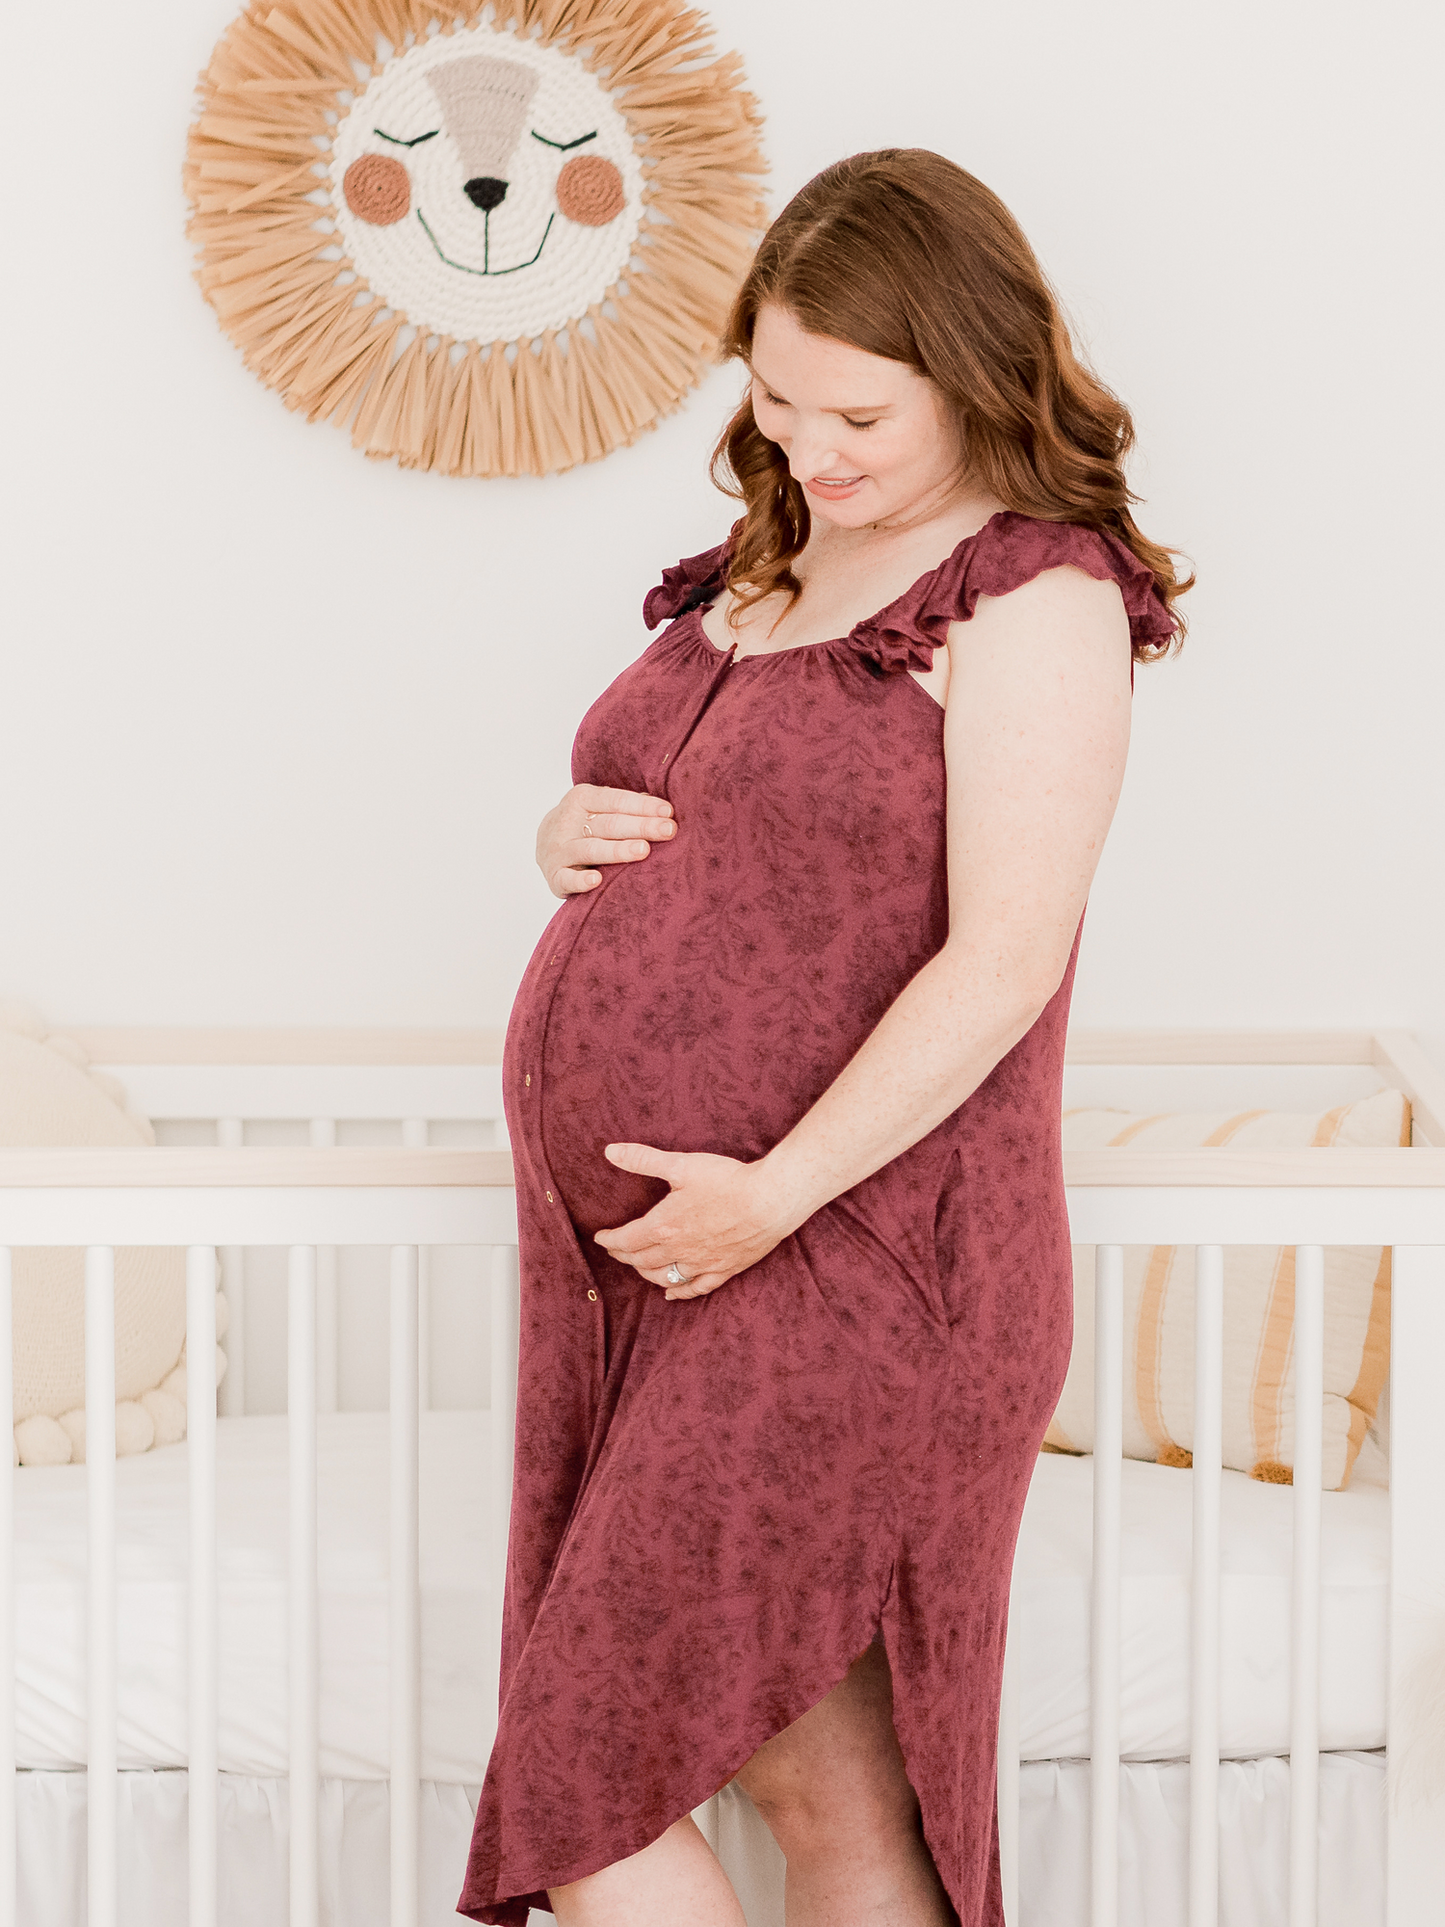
column 415, row 1198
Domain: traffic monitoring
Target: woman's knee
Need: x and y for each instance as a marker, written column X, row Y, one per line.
column 823, row 1810
column 840, row 1781
column 836, row 1773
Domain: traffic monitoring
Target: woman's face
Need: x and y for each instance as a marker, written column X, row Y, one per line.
column 869, row 439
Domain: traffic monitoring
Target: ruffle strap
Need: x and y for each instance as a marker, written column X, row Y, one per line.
column 1007, row 551
column 694, row 581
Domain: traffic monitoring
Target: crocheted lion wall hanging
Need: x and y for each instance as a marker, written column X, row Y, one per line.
column 493, row 241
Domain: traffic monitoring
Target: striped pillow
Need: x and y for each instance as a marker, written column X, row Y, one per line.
column 1258, row 1309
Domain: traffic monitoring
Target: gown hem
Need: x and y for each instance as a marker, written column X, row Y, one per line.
column 510, row 1910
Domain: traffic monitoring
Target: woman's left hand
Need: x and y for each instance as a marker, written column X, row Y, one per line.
column 720, row 1217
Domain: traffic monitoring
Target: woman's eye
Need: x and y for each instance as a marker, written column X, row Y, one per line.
column 852, row 424
column 775, row 400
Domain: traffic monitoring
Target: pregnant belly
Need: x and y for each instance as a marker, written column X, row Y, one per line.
column 695, row 1015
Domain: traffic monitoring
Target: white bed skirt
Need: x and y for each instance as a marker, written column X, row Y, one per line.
column 1054, row 1847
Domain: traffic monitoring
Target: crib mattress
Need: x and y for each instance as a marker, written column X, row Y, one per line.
column 458, row 1712
column 1050, row 1617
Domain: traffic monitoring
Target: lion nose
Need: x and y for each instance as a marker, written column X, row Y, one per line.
column 485, row 193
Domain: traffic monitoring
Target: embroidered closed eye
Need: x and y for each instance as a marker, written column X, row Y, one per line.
column 564, row 147
column 382, row 135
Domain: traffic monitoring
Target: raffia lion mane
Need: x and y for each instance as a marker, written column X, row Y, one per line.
column 304, row 323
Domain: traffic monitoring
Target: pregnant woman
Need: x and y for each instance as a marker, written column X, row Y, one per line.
column 783, row 1082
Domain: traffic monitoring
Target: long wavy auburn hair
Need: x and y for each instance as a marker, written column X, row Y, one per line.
column 903, row 254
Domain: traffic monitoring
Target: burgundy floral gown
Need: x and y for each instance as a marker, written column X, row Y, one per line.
column 719, row 1501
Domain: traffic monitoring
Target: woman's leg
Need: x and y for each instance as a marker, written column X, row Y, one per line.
column 833, row 1790
column 676, row 1882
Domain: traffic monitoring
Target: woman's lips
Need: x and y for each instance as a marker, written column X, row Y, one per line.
column 834, row 490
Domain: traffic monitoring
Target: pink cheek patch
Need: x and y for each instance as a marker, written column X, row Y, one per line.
column 590, row 191
column 377, row 190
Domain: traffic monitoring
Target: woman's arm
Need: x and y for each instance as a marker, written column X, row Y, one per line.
column 1036, row 729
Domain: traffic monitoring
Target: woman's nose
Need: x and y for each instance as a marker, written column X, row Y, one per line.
column 810, row 455
column 485, row 192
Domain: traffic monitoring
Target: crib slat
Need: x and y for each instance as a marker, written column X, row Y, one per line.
column 204, row 1656
column 415, row 1135
column 101, row 1789
column 1304, row 1738
column 7, row 1608
column 405, row 1594
column 322, row 1134
column 231, row 1134
column 1104, row 1648
column 1008, row 1778
column 304, row 1640
column 1204, row 1587
column 232, row 1398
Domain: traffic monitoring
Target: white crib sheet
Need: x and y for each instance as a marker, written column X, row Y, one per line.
column 458, row 1695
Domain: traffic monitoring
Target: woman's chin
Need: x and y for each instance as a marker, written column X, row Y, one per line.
column 847, row 511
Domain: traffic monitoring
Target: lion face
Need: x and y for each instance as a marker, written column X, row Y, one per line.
column 485, row 186
column 430, row 222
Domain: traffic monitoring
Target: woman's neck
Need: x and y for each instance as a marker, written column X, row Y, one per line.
column 949, row 513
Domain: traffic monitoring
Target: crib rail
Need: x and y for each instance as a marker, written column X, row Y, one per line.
column 405, row 1199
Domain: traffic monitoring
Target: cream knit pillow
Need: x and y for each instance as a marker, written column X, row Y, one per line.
column 1258, row 1309
column 50, row 1096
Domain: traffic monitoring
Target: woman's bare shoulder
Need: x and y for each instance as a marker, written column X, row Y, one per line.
column 1059, row 600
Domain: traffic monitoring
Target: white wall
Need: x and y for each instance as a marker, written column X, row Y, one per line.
column 277, row 722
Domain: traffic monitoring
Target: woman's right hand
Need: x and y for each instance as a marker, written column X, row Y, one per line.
column 592, row 826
